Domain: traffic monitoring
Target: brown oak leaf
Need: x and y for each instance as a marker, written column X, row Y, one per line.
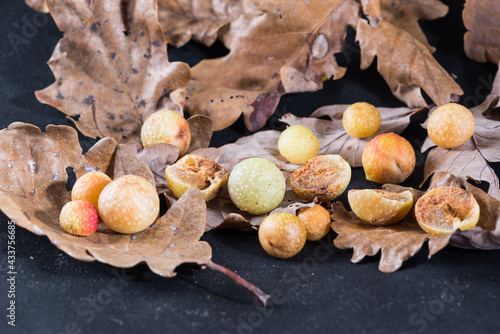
column 471, row 159
column 482, row 20
column 332, row 136
column 406, row 64
column 396, row 243
column 280, row 47
column 111, row 67
column 405, row 14
column 38, row 5
column 33, row 181
column 183, row 20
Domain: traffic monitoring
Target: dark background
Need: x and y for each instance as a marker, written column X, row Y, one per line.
column 319, row 290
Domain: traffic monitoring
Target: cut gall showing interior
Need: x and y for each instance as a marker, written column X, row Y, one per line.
column 444, row 210
column 324, row 177
column 196, row 171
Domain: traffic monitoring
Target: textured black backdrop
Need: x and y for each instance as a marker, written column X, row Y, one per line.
column 319, row 290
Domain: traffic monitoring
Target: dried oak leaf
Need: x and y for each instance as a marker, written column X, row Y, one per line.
column 482, row 20
column 183, row 20
column 470, row 160
column 38, row 5
column 405, row 14
column 332, row 136
column 396, row 243
column 405, row 64
column 33, row 181
column 111, row 67
column 277, row 48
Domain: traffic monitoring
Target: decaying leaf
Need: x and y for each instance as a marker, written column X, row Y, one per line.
column 406, row 64
column 200, row 20
column 396, row 243
column 334, row 140
column 405, row 14
column 38, row 5
column 482, row 20
column 471, row 159
column 111, row 66
column 33, row 181
column 275, row 48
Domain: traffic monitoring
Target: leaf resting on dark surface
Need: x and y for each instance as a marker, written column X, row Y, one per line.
column 33, row 181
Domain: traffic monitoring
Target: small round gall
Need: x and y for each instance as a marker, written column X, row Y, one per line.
column 129, row 204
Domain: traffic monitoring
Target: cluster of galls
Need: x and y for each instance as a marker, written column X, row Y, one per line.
column 128, row 204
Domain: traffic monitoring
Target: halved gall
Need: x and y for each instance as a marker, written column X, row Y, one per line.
column 196, row 171
column 324, row 177
column 444, row 210
column 380, row 207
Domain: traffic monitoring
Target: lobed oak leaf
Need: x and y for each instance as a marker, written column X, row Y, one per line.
column 333, row 138
column 111, row 67
column 406, row 64
column 481, row 18
column 471, row 159
column 33, row 182
column 275, row 48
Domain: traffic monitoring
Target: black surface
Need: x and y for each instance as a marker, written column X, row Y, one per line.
column 318, row 291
